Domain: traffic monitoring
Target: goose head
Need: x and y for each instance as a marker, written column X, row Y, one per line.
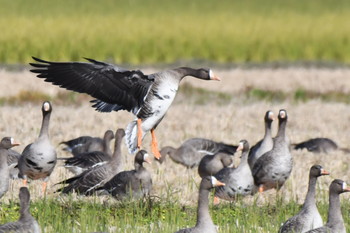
column 318, row 170
column 269, row 116
column 46, row 107
column 339, row 186
column 8, row 142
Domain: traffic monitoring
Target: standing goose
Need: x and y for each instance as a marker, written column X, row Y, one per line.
column 212, row 164
column 239, row 181
column 134, row 183
column 39, row 158
column 97, row 176
column 26, row 222
column 193, row 150
column 273, row 168
column 86, row 144
column 5, row 144
column 308, row 218
column 85, row 160
column 263, row 145
column 335, row 223
column 204, row 222
column 146, row 96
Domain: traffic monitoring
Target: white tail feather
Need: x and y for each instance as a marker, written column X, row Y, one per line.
column 131, row 137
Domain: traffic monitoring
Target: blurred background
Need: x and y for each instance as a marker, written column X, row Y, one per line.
column 164, row 31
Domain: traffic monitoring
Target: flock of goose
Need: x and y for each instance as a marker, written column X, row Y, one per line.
column 99, row 171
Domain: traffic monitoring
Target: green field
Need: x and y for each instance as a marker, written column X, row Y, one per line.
column 156, row 31
column 154, row 215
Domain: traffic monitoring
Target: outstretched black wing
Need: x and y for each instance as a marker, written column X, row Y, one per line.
column 110, row 84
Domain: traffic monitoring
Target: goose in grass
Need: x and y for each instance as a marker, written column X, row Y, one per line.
column 319, row 145
column 85, row 160
column 308, row 218
column 212, row 164
column 193, row 150
column 239, row 181
column 26, row 223
column 148, row 97
column 204, row 222
column 97, row 176
column 265, row 144
column 335, row 223
column 85, row 144
column 135, row 183
column 274, row 167
column 5, row 144
column 39, row 158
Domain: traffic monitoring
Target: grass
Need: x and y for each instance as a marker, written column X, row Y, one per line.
column 153, row 215
column 157, row 31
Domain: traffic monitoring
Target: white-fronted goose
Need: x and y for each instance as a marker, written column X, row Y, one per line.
column 39, row 158
column 273, row 168
column 335, row 223
column 204, row 222
column 26, row 222
column 265, row 144
column 86, row 144
column 85, row 160
column 97, row 176
column 319, row 145
column 308, row 218
column 193, row 150
column 5, row 144
column 135, row 183
column 239, row 181
column 146, row 96
column 212, row 164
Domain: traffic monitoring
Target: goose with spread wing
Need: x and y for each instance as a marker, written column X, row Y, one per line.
column 146, row 96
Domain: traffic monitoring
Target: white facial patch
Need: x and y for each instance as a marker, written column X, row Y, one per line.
column 344, row 185
column 46, row 106
column 12, row 140
column 271, row 115
column 211, row 74
column 283, row 114
column 145, row 156
column 213, row 180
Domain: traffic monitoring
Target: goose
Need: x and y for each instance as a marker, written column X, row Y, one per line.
column 26, row 222
column 239, row 181
column 148, row 97
column 308, row 218
column 204, row 222
column 5, row 144
column 263, row 145
column 135, row 183
column 212, row 164
column 85, row 160
column 85, row 144
column 97, row 176
column 39, row 158
column 273, row 168
column 193, row 150
column 335, row 223
column 319, row 145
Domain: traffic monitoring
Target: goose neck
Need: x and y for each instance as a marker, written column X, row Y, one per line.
column 310, row 200
column 44, row 131
column 334, row 213
column 203, row 215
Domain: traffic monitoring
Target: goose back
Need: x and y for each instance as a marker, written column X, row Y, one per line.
column 212, row 164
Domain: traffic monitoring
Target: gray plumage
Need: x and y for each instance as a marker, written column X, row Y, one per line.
column 212, row 164
column 135, row 183
column 204, row 222
column 85, row 144
column 39, row 158
column 193, row 150
column 146, row 96
column 26, row 222
column 97, row 176
column 5, row 144
column 265, row 144
column 335, row 223
column 308, row 218
column 319, row 145
column 238, row 181
column 12, row 161
column 274, row 167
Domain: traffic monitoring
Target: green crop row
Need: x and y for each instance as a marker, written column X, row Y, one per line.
column 158, row 31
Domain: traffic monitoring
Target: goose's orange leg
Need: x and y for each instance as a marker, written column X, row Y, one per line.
column 154, row 145
column 43, row 187
column 216, row 200
column 25, row 182
column 261, row 188
column 139, row 133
